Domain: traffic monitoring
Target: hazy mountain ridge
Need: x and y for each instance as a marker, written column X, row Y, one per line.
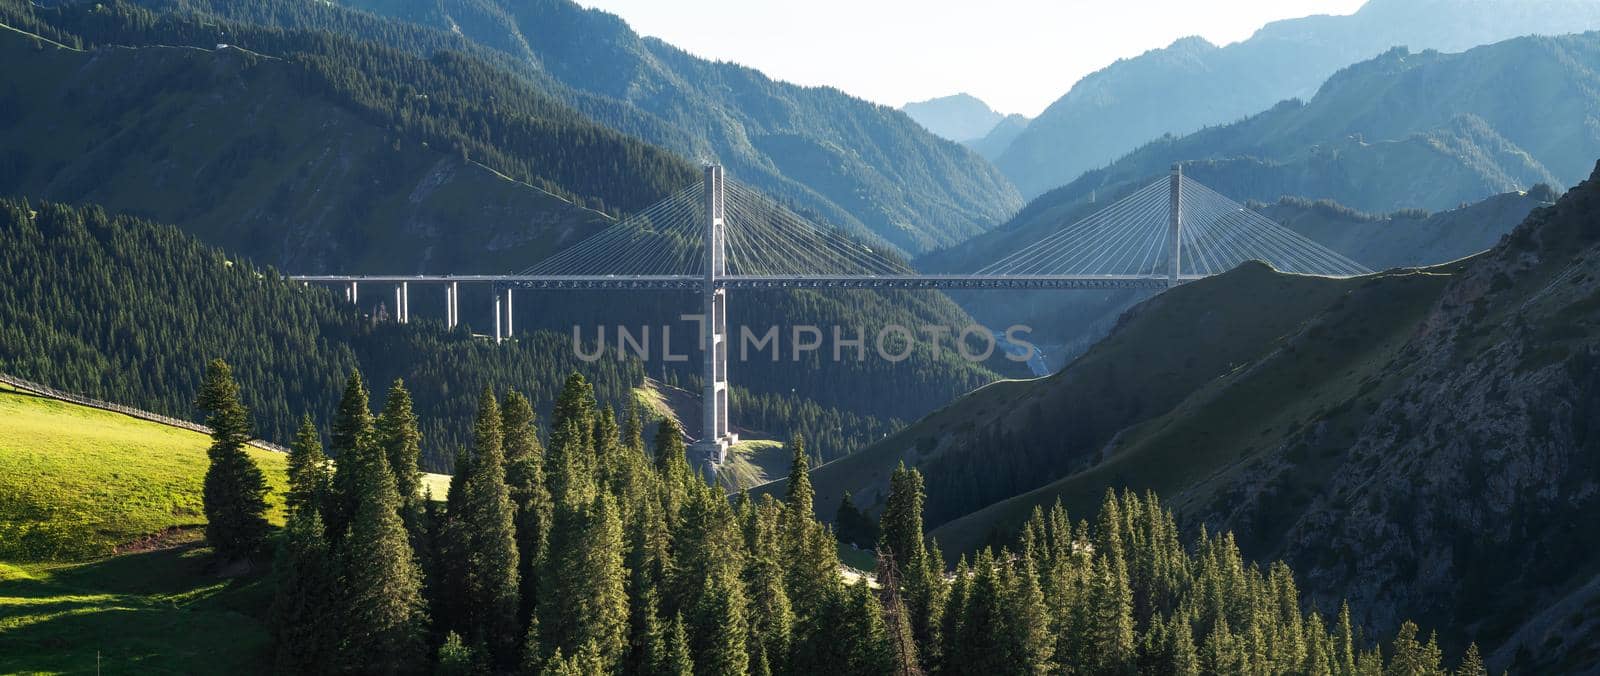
column 1130, row 102
column 855, row 163
column 957, row 117
column 1000, row 137
column 1404, row 130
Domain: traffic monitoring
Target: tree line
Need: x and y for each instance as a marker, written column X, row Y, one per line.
column 592, row 554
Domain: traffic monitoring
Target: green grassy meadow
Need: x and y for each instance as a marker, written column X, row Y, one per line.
column 78, row 483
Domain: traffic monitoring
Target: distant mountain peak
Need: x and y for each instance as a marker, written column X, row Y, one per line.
column 1192, row 43
column 957, row 117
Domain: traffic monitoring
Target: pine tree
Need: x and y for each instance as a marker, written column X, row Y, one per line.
column 1029, row 643
column 633, row 430
column 1344, row 643
column 672, row 464
column 1412, row 658
column 982, row 644
column 526, row 482
column 383, row 617
column 896, row 620
column 718, row 632
column 1472, row 663
column 1112, row 598
column 1185, row 660
column 572, row 425
column 644, row 624
column 864, row 634
column 234, row 493
column 771, row 613
column 401, row 443
column 601, row 607
column 672, row 657
column 352, row 423
column 304, row 631
column 485, row 533
column 952, row 656
column 310, row 479
column 902, row 539
column 456, row 658
column 852, row 526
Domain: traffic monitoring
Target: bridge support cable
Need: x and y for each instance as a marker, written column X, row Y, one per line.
column 1117, row 240
column 1233, row 234
column 1174, row 228
column 663, row 239
column 773, row 240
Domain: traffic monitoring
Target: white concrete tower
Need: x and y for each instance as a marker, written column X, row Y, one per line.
column 715, row 434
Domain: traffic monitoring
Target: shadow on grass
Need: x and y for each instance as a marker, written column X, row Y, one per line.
column 149, row 612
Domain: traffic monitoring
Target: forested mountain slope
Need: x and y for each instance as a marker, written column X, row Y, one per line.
column 318, row 153
column 856, row 164
column 1424, row 435
column 1407, row 238
column 124, row 310
column 238, row 148
column 1125, row 105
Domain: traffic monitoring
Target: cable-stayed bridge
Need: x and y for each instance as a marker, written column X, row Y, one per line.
column 718, row 235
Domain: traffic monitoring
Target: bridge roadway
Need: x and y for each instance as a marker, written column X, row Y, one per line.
column 696, row 282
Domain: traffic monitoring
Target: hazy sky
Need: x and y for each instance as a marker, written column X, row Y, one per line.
column 1018, row 55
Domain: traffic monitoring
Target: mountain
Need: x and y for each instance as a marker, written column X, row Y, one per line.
column 1430, row 130
column 1410, row 238
column 859, row 165
column 1193, row 84
column 999, row 138
column 234, row 146
column 958, row 117
column 324, row 154
column 1424, row 435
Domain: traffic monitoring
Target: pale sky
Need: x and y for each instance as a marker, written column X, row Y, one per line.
column 1017, row 55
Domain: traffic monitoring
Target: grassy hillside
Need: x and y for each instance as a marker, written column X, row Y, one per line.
column 79, row 483
column 753, row 463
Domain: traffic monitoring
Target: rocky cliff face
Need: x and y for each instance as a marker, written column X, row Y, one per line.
column 1471, row 494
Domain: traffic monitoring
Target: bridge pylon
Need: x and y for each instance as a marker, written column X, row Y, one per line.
column 715, row 434
column 1175, row 228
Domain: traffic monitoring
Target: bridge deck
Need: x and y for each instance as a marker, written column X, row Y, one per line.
column 693, row 282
